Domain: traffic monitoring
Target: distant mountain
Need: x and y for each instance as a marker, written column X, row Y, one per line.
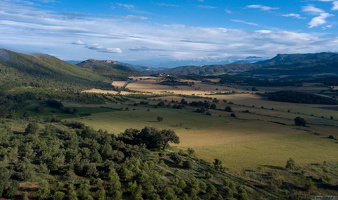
column 73, row 62
column 295, row 66
column 282, row 66
column 109, row 69
column 210, row 69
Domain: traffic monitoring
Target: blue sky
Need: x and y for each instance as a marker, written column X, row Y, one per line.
column 163, row 30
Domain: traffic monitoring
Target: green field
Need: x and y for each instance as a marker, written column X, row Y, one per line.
column 252, row 140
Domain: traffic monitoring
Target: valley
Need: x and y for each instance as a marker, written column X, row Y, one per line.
column 101, row 123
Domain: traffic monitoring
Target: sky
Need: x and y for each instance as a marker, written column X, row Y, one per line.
column 158, row 31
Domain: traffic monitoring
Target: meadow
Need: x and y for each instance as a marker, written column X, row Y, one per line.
column 263, row 134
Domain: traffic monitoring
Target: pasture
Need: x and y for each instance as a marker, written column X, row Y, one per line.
column 262, row 134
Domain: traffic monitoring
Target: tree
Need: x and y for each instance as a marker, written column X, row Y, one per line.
column 191, row 152
column 43, row 192
column 159, row 119
column 32, row 128
column 176, row 158
column 160, row 104
column 233, row 115
column 187, row 164
column 166, row 136
column 58, row 195
column 218, row 165
column 101, row 194
column 228, row 109
column 213, row 106
column 290, row 164
column 300, row 121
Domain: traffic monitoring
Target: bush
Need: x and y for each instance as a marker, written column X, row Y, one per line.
column 159, row 119
column 300, row 121
column 228, row 109
column 176, row 158
column 290, row 164
column 331, row 137
column 32, row 128
column 187, row 164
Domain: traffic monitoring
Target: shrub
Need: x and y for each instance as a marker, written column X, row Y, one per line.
column 228, row 109
column 159, row 119
column 290, row 164
column 300, row 121
column 187, row 164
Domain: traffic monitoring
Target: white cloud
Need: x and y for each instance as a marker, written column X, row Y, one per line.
column 334, row 2
column 228, row 11
column 264, row 31
column 79, row 42
column 207, row 7
column 136, row 17
column 312, row 10
column 103, row 49
column 167, row 5
column 298, row 16
column 127, row 6
column 321, row 19
column 244, row 22
column 335, row 5
column 263, row 8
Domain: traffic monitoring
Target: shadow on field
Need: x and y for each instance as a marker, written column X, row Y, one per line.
column 272, row 167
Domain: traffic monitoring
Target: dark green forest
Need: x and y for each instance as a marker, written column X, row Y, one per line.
column 300, row 97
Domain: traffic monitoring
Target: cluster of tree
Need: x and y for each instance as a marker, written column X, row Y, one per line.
column 151, row 137
column 176, row 83
column 203, row 106
column 300, row 97
column 256, row 82
column 329, row 81
column 77, row 162
column 11, row 104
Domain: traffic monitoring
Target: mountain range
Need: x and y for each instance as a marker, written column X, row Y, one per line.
column 282, row 66
column 45, row 71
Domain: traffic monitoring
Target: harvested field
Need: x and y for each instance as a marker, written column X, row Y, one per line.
column 119, row 83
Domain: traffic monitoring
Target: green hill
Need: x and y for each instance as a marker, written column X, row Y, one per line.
column 44, row 71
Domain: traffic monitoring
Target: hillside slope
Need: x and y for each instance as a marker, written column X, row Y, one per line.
column 109, row 69
column 44, row 71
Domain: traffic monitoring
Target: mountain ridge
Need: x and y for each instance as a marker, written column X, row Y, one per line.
column 290, row 65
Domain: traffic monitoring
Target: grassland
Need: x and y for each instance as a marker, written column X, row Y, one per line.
column 263, row 134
